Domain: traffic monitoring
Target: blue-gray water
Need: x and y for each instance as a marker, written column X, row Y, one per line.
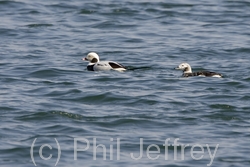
column 47, row 93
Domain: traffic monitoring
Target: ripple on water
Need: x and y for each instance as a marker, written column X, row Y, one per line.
column 107, row 97
column 39, row 25
column 49, row 72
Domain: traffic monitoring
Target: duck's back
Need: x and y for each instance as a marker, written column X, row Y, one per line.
column 203, row 73
column 105, row 66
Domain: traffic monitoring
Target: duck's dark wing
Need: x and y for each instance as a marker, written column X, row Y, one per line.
column 208, row 73
column 202, row 73
column 115, row 65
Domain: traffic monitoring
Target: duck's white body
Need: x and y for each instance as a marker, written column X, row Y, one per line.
column 187, row 71
column 105, row 66
column 96, row 65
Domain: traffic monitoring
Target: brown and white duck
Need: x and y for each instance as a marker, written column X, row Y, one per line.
column 187, row 71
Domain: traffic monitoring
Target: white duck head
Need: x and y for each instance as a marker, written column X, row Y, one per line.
column 185, row 67
column 92, row 57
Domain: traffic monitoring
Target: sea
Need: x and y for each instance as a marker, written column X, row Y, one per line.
column 53, row 112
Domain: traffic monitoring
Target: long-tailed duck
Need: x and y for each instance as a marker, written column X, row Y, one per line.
column 96, row 65
column 187, row 71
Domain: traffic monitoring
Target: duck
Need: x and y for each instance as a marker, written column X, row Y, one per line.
column 187, row 71
column 96, row 65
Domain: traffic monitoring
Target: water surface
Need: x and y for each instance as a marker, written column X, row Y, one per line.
column 47, row 93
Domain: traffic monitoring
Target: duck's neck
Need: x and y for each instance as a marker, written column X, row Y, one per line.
column 187, row 69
